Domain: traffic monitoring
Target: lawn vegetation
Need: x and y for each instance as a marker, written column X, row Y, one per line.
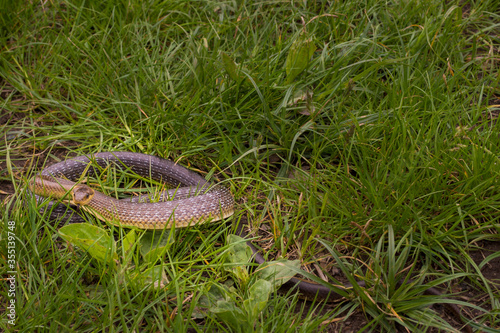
column 364, row 131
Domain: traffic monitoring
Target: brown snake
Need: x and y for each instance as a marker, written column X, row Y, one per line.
column 189, row 206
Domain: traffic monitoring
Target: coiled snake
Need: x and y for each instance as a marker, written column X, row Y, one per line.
column 195, row 201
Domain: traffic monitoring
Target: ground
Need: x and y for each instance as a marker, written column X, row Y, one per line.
column 22, row 161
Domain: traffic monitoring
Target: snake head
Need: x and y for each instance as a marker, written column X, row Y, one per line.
column 81, row 195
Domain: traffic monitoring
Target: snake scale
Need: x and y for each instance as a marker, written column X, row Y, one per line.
column 195, row 201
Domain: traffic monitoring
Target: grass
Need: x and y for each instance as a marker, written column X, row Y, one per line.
column 382, row 152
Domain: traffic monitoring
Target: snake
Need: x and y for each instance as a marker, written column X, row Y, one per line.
column 192, row 200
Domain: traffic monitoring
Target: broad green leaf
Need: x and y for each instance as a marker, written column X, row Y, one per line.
column 214, row 293
column 258, row 295
column 218, row 292
column 302, row 99
column 239, row 254
column 233, row 316
column 154, row 244
column 231, row 68
column 96, row 241
column 129, row 240
column 298, row 58
column 278, row 272
column 153, row 277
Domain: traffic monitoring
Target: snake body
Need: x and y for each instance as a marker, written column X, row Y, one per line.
column 194, row 201
column 197, row 201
